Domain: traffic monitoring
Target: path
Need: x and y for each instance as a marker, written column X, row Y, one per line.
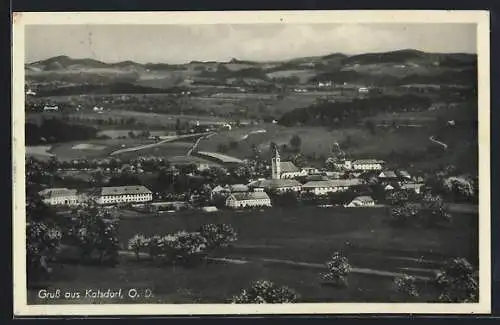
column 444, row 145
column 358, row 270
column 151, row 145
column 193, row 147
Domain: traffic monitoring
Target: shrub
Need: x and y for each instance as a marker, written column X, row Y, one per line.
column 218, row 235
column 137, row 243
column 458, row 281
column 338, row 268
column 266, row 292
column 406, row 284
column 403, row 215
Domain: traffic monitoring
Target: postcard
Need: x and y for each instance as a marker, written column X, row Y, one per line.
column 257, row 162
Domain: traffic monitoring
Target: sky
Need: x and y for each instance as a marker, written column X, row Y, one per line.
column 259, row 42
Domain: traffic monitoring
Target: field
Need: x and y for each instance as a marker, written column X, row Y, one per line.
column 87, row 149
column 290, row 236
column 358, row 142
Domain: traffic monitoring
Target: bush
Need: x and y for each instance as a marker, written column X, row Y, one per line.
column 458, row 281
column 406, row 284
column 137, row 243
column 338, row 268
column 403, row 215
column 218, row 235
column 266, row 292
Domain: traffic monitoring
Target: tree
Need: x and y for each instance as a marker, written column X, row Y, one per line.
column 298, row 160
column 95, row 231
column 218, row 235
column 397, row 197
column 459, row 188
column 458, row 281
column 406, row 284
column 266, row 292
column 137, row 243
column 338, row 268
column 295, row 142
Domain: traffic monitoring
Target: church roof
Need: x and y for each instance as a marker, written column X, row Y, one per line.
column 288, row 167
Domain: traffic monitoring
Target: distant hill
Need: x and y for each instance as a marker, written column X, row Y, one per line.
column 387, row 68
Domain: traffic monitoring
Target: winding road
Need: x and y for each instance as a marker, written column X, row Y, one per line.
column 151, row 145
column 444, row 145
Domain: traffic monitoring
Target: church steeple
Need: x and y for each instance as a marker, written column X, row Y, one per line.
column 276, row 164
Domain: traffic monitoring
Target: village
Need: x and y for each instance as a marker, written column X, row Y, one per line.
column 354, row 178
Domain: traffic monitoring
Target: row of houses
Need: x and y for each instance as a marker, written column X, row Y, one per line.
column 101, row 196
column 259, row 198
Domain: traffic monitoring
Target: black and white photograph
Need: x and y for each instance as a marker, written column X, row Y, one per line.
column 257, row 162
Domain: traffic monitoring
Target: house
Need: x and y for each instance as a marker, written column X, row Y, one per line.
column 310, row 171
column 416, row 187
column 123, row 194
column 388, row 175
column 50, row 108
column 404, row 175
column 209, row 209
column 389, row 187
column 248, row 199
column 329, row 186
column 367, row 164
column 62, row 196
column 361, row 201
column 277, row 185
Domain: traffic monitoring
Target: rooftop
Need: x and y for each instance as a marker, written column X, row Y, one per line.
column 57, row 192
column 249, row 196
column 333, row 183
column 364, row 198
column 276, row 183
column 368, row 161
column 288, row 167
column 388, row 174
column 124, row 190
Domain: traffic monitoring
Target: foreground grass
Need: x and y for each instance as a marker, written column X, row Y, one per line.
column 212, row 283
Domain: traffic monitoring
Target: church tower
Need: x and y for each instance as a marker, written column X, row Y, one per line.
column 276, row 164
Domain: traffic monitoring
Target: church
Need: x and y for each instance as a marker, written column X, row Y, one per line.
column 284, row 169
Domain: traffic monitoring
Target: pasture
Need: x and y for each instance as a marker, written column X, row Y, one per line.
column 291, row 235
column 92, row 148
column 318, row 142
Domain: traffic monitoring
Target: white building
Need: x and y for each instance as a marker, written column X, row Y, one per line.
column 123, row 194
column 50, row 108
column 248, row 199
column 416, row 187
column 367, row 164
column 62, row 196
column 277, row 185
column 330, row 186
column 361, row 201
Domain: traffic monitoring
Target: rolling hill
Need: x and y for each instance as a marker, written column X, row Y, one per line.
column 388, row 68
